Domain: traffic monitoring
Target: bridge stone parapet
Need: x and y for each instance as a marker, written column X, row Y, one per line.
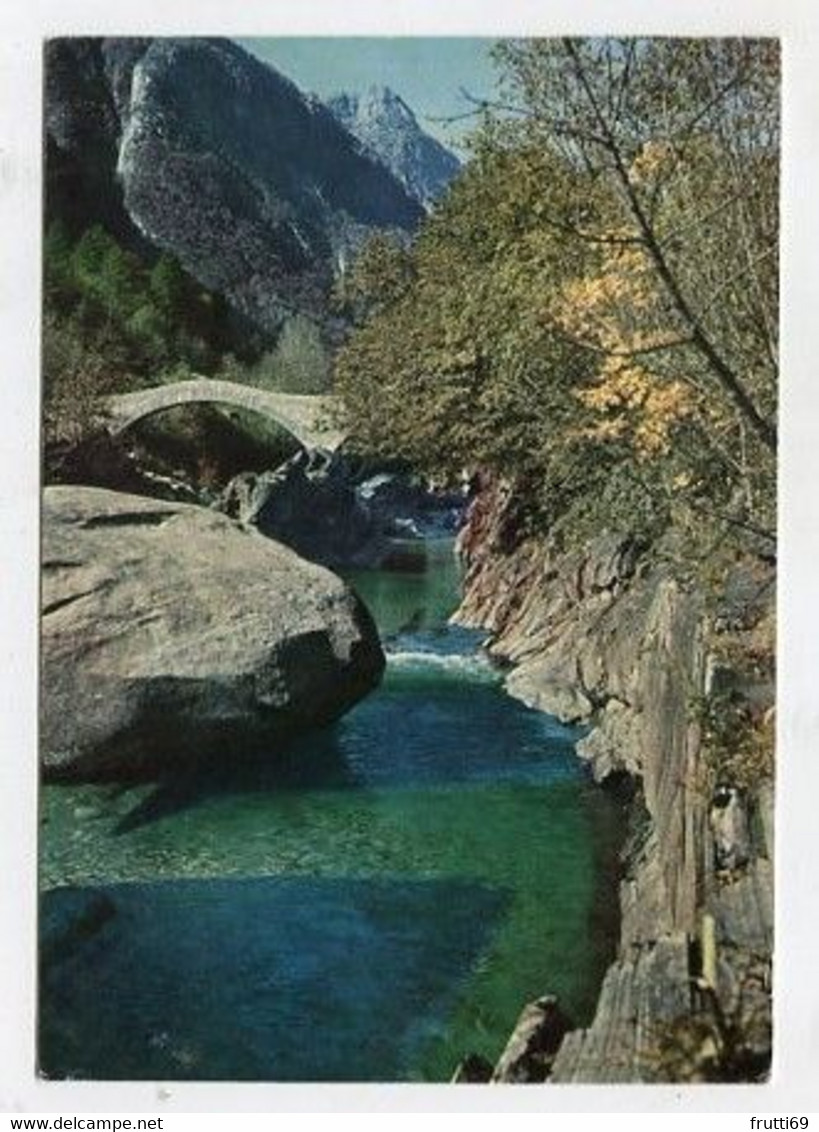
column 309, row 418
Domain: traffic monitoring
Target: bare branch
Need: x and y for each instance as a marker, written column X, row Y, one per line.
column 479, row 106
column 592, row 237
column 638, row 351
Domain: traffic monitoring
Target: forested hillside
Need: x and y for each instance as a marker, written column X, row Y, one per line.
column 591, row 312
column 198, row 206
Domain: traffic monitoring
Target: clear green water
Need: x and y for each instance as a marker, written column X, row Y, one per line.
column 373, row 904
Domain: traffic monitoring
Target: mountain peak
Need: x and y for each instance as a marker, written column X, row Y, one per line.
column 386, row 126
column 195, row 147
column 376, row 96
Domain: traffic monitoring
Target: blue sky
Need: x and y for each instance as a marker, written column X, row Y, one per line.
column 428, row 73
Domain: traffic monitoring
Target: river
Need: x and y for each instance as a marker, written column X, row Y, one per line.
column 373, row 904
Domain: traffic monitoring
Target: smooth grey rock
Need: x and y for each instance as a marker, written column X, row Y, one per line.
column 309, row 505
column 315, row 505
column 536, row 685
column 69, row 917
column 744, row 909
column 534, row 1042
column 168, row 630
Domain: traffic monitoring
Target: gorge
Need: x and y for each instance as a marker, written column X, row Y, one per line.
column 446, row 831
column 409, row 563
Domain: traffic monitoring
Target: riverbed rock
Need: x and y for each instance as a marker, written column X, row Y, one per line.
column 309, row 505
column 320, row 507
column 169, row 634
column 535, row 1040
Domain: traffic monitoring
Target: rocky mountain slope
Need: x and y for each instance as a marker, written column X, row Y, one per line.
column 386, row 126
column 195, row 147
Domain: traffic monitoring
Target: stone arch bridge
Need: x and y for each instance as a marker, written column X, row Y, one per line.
column 310, row 419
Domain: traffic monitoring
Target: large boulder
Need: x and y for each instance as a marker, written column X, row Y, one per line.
column 310, row 505
column 319, row 506
column 171, row 634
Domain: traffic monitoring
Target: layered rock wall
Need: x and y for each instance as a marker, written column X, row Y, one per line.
column 608, row 637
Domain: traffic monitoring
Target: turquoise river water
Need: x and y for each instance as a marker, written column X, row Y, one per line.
column 373, row 904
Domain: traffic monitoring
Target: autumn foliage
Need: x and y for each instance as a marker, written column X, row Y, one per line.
column 592, row 310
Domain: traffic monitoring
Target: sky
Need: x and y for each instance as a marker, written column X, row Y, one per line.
column 428, row 73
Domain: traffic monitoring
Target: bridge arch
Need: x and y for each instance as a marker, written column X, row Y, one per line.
column 309, row 418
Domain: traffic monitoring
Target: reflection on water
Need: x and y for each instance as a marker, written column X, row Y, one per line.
column 368, row 905
column 242, row 985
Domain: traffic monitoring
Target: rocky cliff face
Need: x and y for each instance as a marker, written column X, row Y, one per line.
column 386, row 126
column 87, row 90
column 171, row 635
column 609, row 637
column 210, row 154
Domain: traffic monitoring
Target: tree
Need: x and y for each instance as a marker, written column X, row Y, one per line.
column 593, row 307
column 168, row 287
column 686, row 135
column 457, row 367
column 381, row 273
column 74, row 378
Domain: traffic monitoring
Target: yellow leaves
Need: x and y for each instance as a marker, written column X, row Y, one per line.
column 612, row 309
column 636, row 403
column 618, row 312
column 655, row 159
